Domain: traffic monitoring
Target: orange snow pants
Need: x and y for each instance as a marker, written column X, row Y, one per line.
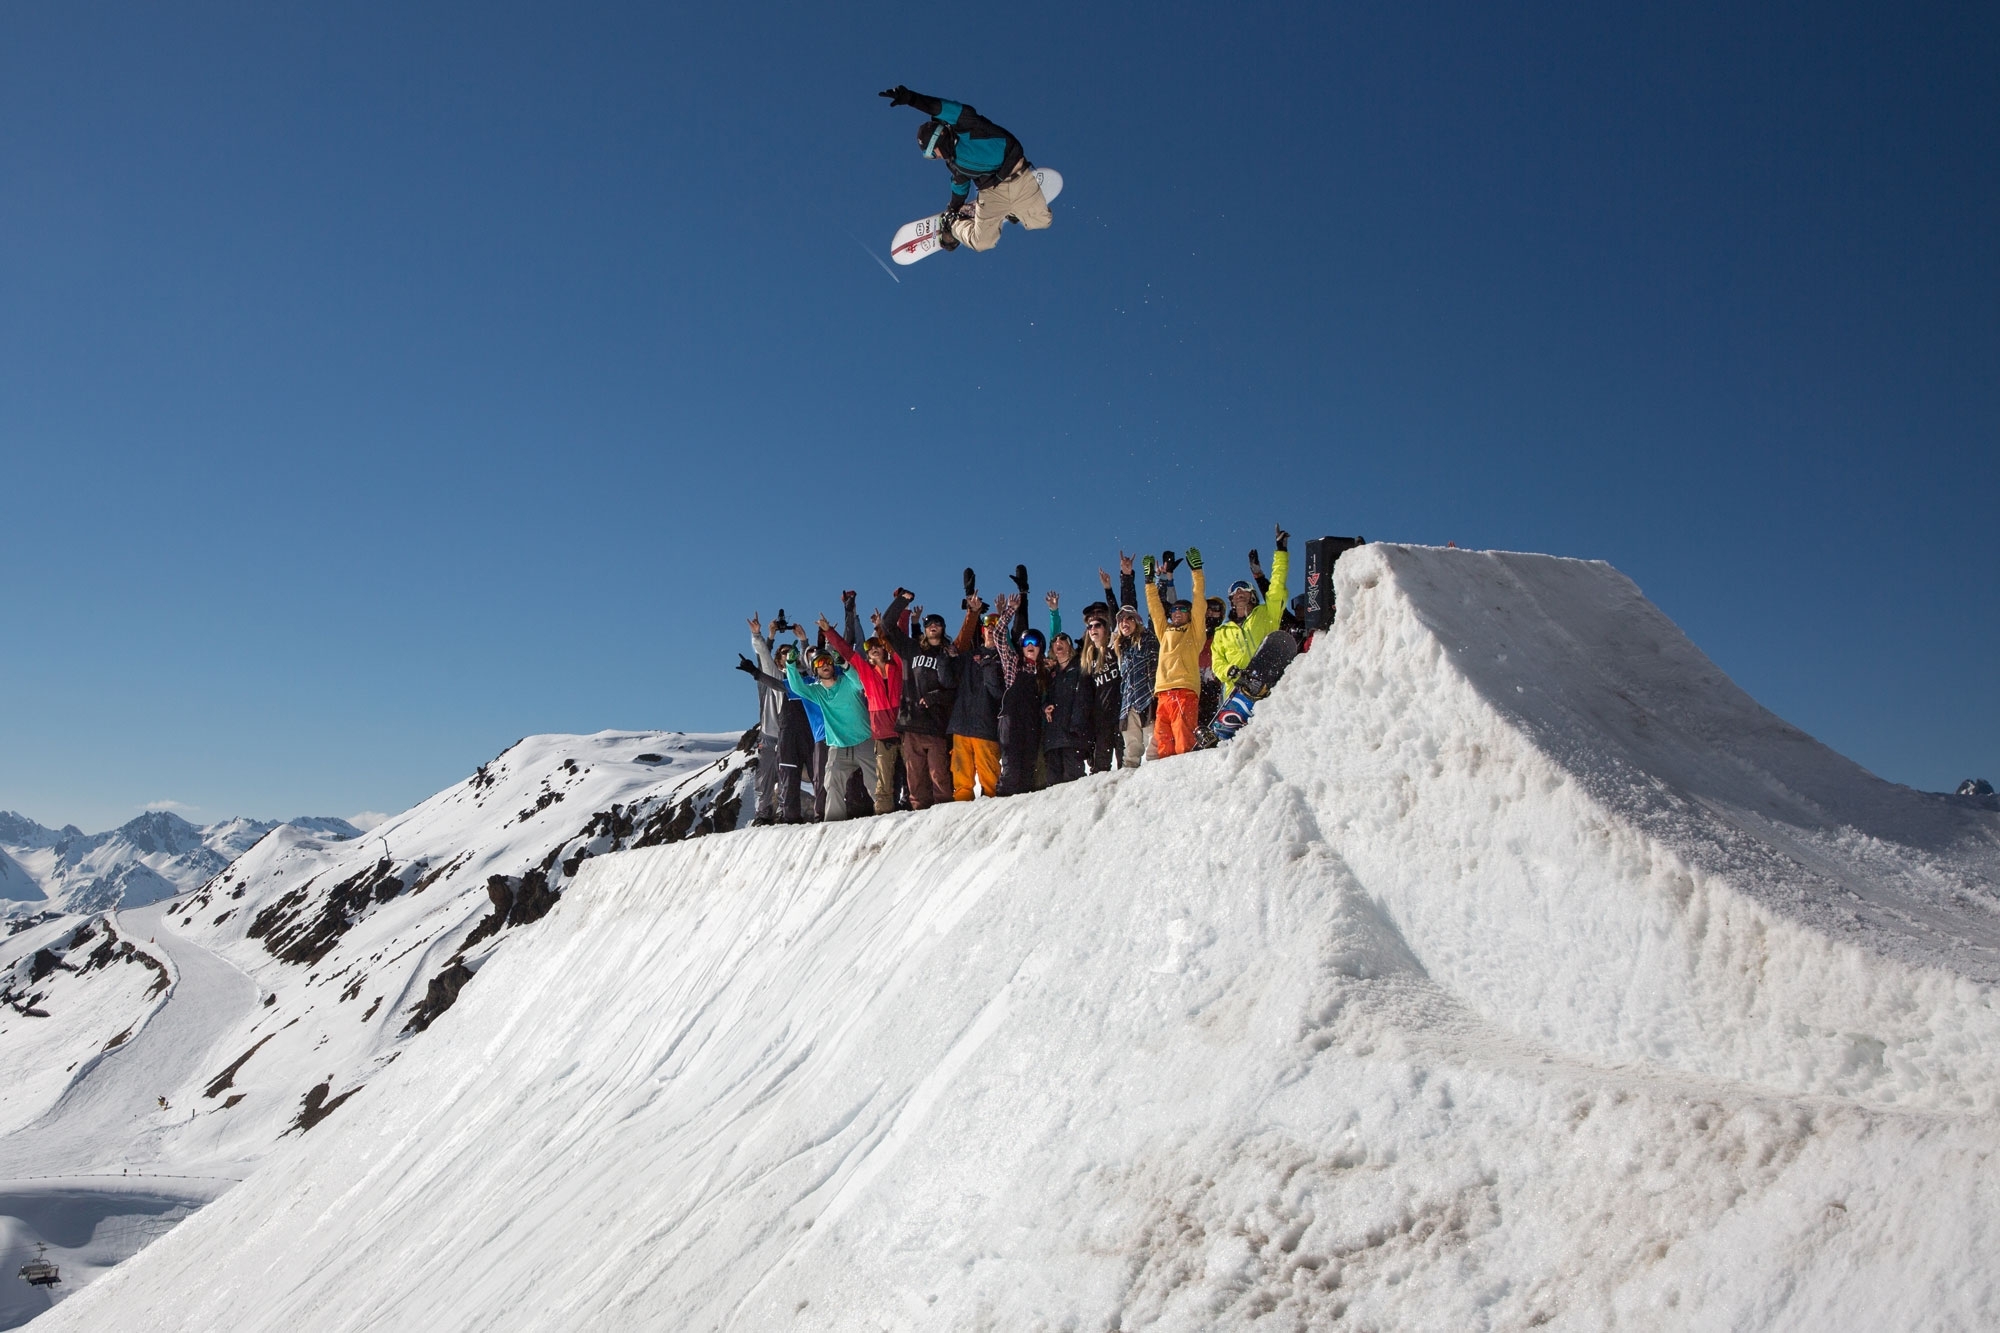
column 972, row 757
column 1180, row 713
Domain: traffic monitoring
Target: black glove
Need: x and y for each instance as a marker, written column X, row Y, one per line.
column 898, row 95
column 744, row 664
column 1169, row 562
column 1256, row 561
column 1283, row 539
column 1194, row 557
column 1021, row 579
column 971, row 586
column 1146, row 565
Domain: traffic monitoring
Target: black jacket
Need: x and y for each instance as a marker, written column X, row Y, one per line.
column 1073, row 722
column 975, row 711
column 930, row 677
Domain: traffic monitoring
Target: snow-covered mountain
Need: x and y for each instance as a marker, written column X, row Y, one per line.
column 149, row 858
column 258, row 1003
column 1511, row 969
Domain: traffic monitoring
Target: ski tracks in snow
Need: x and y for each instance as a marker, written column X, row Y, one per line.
column 108, row 1119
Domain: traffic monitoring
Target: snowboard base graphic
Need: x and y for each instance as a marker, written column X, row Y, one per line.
column 1255, row 682
column 916, row 240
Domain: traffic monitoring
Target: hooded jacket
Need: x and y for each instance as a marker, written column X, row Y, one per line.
column 980, row 152
column 842, row 704
column 883, row 690
column 1072, row 699
column 1180, row 648
column 770, row 697
column 975, row 711
column 930, row 683
column 1237, row 641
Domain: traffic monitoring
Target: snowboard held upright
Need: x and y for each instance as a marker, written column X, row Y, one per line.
column 1255, row 682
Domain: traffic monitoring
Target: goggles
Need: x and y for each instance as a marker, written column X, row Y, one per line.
column 930, row 144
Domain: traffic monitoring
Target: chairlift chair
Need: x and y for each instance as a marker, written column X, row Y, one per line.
column 38, row 1271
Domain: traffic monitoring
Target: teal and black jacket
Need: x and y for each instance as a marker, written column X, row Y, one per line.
column 980, row 152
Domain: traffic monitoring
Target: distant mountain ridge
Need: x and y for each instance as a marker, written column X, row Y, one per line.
column 143, row 860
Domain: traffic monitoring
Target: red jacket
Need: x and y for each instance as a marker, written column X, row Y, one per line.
column 884, row 689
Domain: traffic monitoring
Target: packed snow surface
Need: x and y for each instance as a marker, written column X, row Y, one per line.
column 153, row 1056
column 1511, row 968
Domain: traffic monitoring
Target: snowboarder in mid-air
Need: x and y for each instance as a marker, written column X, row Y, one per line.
column 980, row 153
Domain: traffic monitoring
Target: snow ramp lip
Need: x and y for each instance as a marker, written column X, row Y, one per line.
column 1593, row 836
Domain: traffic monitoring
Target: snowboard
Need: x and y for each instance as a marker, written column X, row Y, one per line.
column 916, row 240
column 1254, row 683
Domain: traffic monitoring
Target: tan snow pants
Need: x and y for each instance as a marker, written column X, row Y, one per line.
column 1019, row 196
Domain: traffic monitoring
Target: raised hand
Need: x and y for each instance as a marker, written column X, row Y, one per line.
column 1194, row 557
column 1147, row 563
column 1054, row 600
column 905, row 594
column 824, row 624
column 1125, row 565
column 757, row 627
column 1283, row 537
column 898, row 95
column 1104, row 578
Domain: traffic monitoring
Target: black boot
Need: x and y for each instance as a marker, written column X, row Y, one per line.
column 946, row 241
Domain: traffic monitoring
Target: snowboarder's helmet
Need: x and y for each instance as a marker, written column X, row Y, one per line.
column 1182, row 606
column 936, row 138
column 1033, row 636
column 1241, row 585
column 933, row 619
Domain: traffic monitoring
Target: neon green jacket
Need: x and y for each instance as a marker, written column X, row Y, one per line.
column 1236, row 641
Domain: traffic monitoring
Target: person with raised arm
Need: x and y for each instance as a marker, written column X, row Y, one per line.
column 843, row 706
column 1251, row 621
column 795, row 745
column 929, row 691
column 975, row 709
column 881, row 676
column 1177, row 686
column 1021, row 699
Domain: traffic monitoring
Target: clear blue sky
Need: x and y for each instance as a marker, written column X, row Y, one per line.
column 381, row 383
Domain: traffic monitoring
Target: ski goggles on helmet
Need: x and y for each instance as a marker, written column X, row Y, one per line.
column 1033, row 636
column 1241, row 585
column 931, row 135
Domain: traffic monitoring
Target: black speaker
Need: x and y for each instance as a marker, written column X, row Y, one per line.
column 1321, row 552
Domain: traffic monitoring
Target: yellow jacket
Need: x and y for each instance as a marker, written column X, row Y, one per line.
column 1235, row 643
column 1180, row 649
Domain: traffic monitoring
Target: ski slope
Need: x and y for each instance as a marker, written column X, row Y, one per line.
column 258, row 1003
column 1512, row 968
